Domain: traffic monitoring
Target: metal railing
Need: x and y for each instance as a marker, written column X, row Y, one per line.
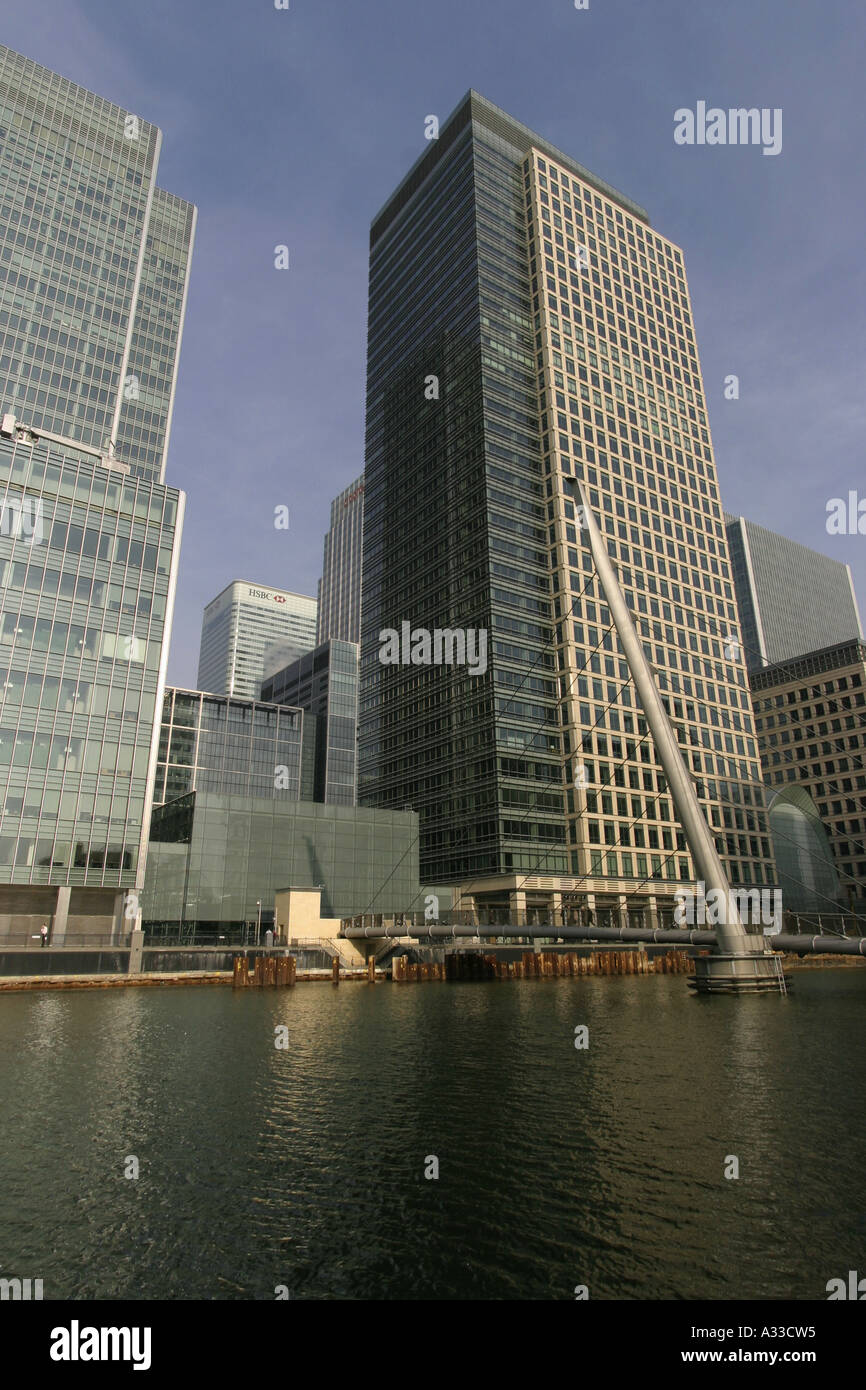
column 31, row 941
column 488, row 919
column 215, row 939
column 840, row 924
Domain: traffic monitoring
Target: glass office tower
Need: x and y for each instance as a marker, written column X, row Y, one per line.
column 248, row 632
column 339, row 592
column 85, row 606
column 526, row 326
column 324, row 683
column 94, row 262
column 791, row 599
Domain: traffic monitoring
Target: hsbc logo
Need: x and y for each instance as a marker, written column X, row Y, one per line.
column 266, row 594
column 353, row 495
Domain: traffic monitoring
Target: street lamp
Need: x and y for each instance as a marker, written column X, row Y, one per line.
column 258, row 919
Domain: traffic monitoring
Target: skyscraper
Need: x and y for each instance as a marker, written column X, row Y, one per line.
column 792, row 600
column 93, row 269
column 324, row 684
column 94, row 272
column 248, row 632
column 340, row 585
column 526, row 325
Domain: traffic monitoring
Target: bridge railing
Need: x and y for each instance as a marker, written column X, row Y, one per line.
column 28, row 941
column 488, row 919
column 823, row 924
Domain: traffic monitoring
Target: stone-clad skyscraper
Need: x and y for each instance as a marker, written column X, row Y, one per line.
column 526, row 324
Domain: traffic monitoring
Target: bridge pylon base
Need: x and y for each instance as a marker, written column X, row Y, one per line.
column 753, row 972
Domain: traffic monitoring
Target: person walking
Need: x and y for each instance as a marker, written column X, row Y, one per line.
column 43, row 934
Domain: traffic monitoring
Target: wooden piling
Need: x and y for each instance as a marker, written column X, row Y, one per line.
column 335, row 970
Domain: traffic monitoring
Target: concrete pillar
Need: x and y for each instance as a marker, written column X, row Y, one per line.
column 590, row 908
column 556, row 910
column 517, row 899
column 622, row 909
column 651, row 909
column 121, row 924
column 60, row 918
column 136, row 950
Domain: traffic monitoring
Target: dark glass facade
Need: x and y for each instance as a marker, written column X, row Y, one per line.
column 454, row 522
column 503, row 360
column 324, row 684
column 214, row 743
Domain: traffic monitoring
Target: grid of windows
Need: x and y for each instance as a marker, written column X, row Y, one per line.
column 557, row 329
column 83, row 603
column 235, row 747
column 621, row 407
column 810, row 718
column 791, row 599
column 325, row 683
column 339, row 592
column 148, row 392
column 93, row 268
column 248, row 632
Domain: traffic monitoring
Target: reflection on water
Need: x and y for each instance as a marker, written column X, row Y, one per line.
column 557, row 1166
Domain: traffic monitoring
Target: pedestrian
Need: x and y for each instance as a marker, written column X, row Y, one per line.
column 43, row 934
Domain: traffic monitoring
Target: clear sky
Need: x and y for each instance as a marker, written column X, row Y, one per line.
column 293, row 126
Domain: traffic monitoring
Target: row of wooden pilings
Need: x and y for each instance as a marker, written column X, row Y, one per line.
column 267, row 970
column 405, row 970
column 535, row 965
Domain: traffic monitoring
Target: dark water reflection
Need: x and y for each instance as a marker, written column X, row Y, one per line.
column 557, row 1167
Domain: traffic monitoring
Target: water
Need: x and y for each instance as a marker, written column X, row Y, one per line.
column 557, row 1167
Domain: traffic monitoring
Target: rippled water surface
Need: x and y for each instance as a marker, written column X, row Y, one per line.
column 305, row 1167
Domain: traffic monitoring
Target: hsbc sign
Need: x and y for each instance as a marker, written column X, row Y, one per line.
column 267, row 595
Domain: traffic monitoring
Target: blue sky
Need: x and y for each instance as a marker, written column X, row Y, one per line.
column 292, row 127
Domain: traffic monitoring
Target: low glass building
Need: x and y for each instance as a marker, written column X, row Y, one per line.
column 213, row 859
column 216, row 743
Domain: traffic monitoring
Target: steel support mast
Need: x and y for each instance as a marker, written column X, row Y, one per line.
column 738, row 965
